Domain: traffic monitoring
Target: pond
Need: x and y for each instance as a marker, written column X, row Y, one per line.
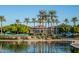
column 36, row 47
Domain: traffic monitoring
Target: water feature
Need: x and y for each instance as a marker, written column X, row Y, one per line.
column 36, row 47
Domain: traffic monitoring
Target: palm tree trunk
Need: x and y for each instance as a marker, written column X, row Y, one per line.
column 51, row 28
column 17, row 29
column 56, row 28
column 48, row 25
column 34, row 28
column 43, row 30
column 48, row 28
column 74, row 27
column 34, row 24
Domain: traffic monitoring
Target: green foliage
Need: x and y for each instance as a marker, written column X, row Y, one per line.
column 74, row 20
column 64, row 28
column 13, row 28
column 75, row 29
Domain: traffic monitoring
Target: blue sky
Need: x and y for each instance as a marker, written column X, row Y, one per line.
column 13, row 12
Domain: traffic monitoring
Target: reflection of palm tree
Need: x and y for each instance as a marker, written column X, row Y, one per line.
column 1, row 20
column 52, row 15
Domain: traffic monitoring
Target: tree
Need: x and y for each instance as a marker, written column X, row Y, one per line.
column 17, row 21
column 66, row 21
column 74, row 20
column 48, row 21
column 43, row 15
column 40, row 21
column 56, row 21
column 26, row 21
column 13, row 28
column 63, row 28
column 34, row 21
column 66, row 25
column 42, row 18
column 17, row 25
column 1, row 20
column 52, row 15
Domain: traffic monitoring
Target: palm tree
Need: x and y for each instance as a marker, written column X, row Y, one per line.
column 48, row 21
column 66, row 24
column 42, row 14
column 56, row 21
column 66, row 21
column 52, row 15
column 40, row 21
column 74, row 20
column 1, row 20
column 17, row 21
column 26, row 21
column 17, row 25
column 42, row 17
column 34, row 20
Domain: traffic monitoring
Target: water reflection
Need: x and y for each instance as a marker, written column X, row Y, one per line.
column 36, row 47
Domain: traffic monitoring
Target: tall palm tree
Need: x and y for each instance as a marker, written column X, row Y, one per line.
column 52, row 15
column 17, row 21
column 56, row 21
column 74, row 20
column 34, row 21
column 1, row 20
column 42, row 18
column 40, row 21
column 66, row 21
column 17, row 24
column 26, row 21
column 48, row 21
column 42, row 14
column 66, row 24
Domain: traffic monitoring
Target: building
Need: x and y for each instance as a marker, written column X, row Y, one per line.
column 38, row 29
column 42, row 29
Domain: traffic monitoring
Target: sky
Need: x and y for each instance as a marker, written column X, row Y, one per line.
column 13, row 12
